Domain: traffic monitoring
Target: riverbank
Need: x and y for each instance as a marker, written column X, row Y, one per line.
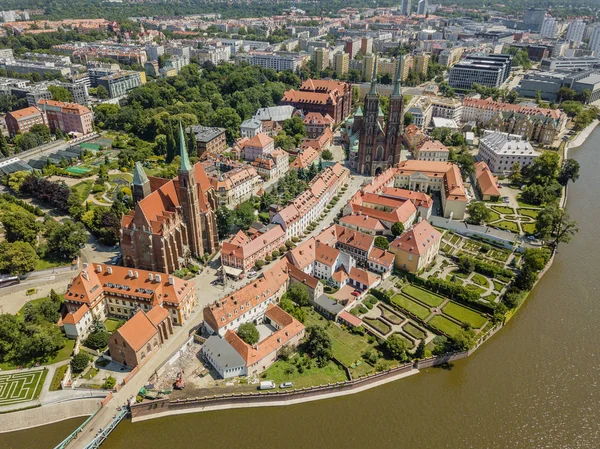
column 583, row 135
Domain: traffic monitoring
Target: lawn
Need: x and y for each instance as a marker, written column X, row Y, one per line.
column 404, row 302
column 459, row 274
column 44, row 264
column 347, row 347
column 112, row 324
column 378, row 325
column 392, row 317
column 91, row 373
column 464, row 315
column 493, row 216
column 503, row 210
column 21, row 387
column 409, row 344
column 498, row 286
column 59, row 373
column 528, row 228
column 532, row 213
column 443, row 324
column 282, row 371
column 480, row 280
column 83, row 189
column 508, row 225
column 475, row 288
column 431, row 299
column 414, row 331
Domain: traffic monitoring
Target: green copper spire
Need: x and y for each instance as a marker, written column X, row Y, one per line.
column 185, row 161
column 373, row 90
column 398, row 81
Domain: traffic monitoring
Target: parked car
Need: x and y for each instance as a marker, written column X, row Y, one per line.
column 355, row 293
column 267, row 385
column 286, row 385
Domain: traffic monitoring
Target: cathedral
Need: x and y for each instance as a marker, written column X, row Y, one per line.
column 375, row 143
column 173, row 220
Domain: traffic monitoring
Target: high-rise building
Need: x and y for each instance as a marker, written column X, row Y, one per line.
column 422, row 63
column 549, row 28
column 595, row 41
column 321, row 57
column 575, row 31
column 533, row 19
column 379, row 142
column 422, row 7
column 487, row 70
column 367, row 67
column 341, row 61
column 405, row 7
column 366, row 45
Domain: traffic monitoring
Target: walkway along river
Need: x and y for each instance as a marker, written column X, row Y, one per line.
column 533, row 385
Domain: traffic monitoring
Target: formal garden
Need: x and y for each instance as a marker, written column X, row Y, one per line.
column 519, row 221
column 21, row 387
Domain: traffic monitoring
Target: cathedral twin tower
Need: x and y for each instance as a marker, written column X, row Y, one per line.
column 380, row 142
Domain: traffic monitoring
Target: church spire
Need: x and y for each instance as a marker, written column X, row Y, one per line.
column 185, row 161
column 139, row 175
column 398, row 81
column 373, row 90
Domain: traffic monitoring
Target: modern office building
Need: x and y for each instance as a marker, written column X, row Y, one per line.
column 405, row 7
column 533, row 19
column 272, row 61
column 118, row 84
column 570, row 63
column 595, row 42
column 487, row 69
column 422, row 7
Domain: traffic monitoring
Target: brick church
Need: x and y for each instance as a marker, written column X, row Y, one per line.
column 379, row 140
column 173, row 220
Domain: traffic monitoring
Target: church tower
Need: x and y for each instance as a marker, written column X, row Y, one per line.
column 140, row 188
column 189, row 199
column 395, row 117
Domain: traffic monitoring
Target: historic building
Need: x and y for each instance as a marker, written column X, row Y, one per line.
column 173, row 220
column 379, row 141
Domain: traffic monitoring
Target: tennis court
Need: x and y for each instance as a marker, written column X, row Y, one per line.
column 78, row 170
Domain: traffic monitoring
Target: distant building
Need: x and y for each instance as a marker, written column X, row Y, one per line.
column 341, row 62
column 258, row 146
column 316, row 124
column 549, row 29
column 323, row 96
column 273, row 61
column 575, row 31
column 242, row 252
column 405, row 7
column 422, row 8
column 208, row 139
column 321, row 58
column 488, row 70
column 68, row 117
column 432, row 150
column 250, row 128
column 118, row 84
column 533, row 19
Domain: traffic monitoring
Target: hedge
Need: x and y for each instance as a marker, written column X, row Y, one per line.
column 488, row 269
column 28, row 207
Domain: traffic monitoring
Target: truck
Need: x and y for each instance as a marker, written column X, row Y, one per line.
column 267, row 385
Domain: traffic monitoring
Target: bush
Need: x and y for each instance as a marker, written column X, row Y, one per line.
column 109, row 383
column 282, row 249
column 97, row 340
column 248, row 333
column 259, row 264
column 362, row 309
column 275, row 254
column 79, row 362
column 269, row 258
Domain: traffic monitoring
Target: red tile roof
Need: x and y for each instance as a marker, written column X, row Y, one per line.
column 486, row 181
column 137, row 331
column 418, row 239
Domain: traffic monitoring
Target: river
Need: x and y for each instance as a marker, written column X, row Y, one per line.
column 533, row 385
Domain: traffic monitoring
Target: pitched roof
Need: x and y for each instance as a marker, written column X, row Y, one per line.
column 260, row 140
column 139, row 174
column 325, row 254
column 304, row 254
column 350, row 319
column 381, row 256
column 362, row 221
column 75, row 317
column 243, row 247
column 25, row 112
column 362, row 276
column 137, row 331
column 449, row 172
column 434, row 146
column 418, row 239
column 65, row 107
column 302, row 277
column 486, row 181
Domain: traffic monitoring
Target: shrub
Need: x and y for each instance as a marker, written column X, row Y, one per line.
column 362, row 309
column 282, row 249
column 368, row 305
column 248, row 333
column 109, row 383
column 79, row 362
column 259, row 264
column 97, row 340
column 275, row 254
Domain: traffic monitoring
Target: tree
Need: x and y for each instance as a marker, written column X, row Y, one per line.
column 297, row 312
column 319, row 344
column 3, row 146
column 101, row 93
column 60, row 93
column 568, row 172
column 17, row 258
column 229, row 119
column 408, row 119
column 526, row 278
column 41, row 130
column 381, row 242
column 420, row 351
column 515, row 175
column 66, row 239
column 294, row 126
column 465, row 162
column 298, row 293
column 478, row 213
column 397, row 229
column 225, row 221
column 466, row 264
column 544, row 169
column 79, row 362
column 536, row 258
column 554, row 224
column 464, row 339
column 284, row 141
column 97, row 340
column 396, row 348
column 248, row 333
column 244, row 215
column 109, row 383
column 326, row 155
column 20, row 225
column 16, row 179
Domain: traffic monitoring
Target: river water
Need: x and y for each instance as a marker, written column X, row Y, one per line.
column 534, row 385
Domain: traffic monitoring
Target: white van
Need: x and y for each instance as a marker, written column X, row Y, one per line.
column 267, row 385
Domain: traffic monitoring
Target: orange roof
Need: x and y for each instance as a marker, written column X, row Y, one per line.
column 453, row 182
column 418, row 239
column 381, row 256
column 157, row 315
column 306, row 97
column 350, row 319
column 327, row 255
column 490, row 104
column 486, row 181
column 242, row 247
column 301, row 276
column 321, row 85
column 346, row 236
column 362, row 221
column 419, row 199
column 362, row 276
column 74, row 318
column 340, row 275
column 305, row 158
column 304, row 254
column 289, row 328
column 66, row 107
column 316, row 118
column 90, row 285
column 25, row 112
column 260, row 140
column 137, row 331
column 434, row 146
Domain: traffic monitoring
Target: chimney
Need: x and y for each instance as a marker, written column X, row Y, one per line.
column 171, row 280
column 135, row 274
column 109, row 270
column 129, row 273
column 150, row 277
column 98, row 268
column 157, row 278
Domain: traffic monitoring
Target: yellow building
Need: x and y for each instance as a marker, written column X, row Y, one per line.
column 321, row 58
column 341, row 62
column 367, row 67
column 421, row 63
column 417, row 248
column 408, row 64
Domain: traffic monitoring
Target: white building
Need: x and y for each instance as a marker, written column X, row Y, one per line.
column 272, row 61
column 575, row 31
column 250, row 128
column 421, row 112
column 501, row 150
column 595, row 41
column 549, row 28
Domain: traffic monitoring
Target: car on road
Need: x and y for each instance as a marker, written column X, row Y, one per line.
column 286, row 385
column 252, row 274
